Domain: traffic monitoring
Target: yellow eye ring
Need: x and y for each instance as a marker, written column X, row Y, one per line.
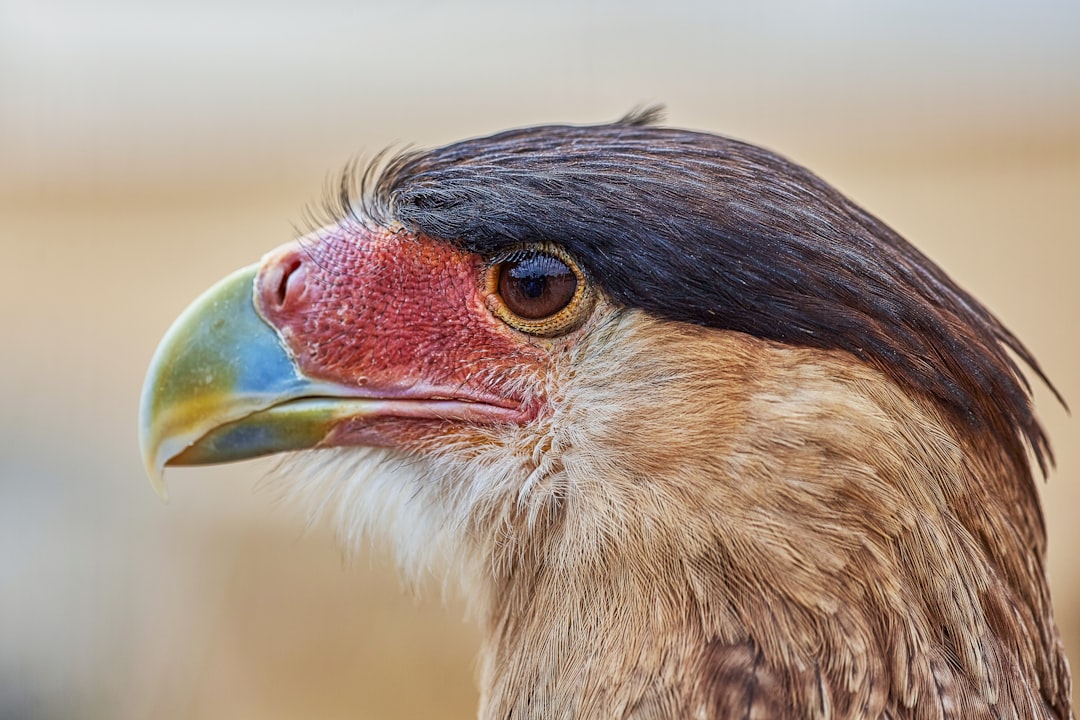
column 539, row 290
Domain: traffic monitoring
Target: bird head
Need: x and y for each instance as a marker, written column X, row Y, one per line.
column 649, row 381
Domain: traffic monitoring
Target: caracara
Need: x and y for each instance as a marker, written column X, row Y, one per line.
column 699, row 437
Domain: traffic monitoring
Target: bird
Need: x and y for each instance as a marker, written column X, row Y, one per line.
column 694, row 434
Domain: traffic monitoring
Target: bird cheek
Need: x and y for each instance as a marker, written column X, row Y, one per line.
column 398, row 314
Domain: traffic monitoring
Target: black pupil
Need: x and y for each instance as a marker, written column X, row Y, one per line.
column 532, row 287
column 536, row 286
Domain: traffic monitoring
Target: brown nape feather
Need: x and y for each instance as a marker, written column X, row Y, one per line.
column 817, row 543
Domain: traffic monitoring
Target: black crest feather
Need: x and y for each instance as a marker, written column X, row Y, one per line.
column 703, row 229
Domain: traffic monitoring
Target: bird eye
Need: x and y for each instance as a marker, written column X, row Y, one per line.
column 541, row 292
column 536, row 286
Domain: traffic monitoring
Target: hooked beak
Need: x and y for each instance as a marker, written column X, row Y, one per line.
column 222, row 386
column 242, row 372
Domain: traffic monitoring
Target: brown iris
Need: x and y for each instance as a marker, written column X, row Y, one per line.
column 539, row 291
column 536, row 286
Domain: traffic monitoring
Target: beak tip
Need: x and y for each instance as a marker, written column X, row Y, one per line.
column 157, row 481
column 149, row 448
column 155, row 471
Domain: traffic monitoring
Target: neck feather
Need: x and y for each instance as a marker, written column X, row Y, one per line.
column 815, row 543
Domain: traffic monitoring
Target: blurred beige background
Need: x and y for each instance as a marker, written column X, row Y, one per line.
column 147, row 149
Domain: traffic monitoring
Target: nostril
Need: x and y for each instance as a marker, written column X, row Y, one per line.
column 288, row 272
column 282, row 284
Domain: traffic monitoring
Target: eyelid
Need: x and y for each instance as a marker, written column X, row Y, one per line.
column 542, row 262
column 521, row 252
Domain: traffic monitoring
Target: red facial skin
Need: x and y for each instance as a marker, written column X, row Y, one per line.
column 401, row 317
